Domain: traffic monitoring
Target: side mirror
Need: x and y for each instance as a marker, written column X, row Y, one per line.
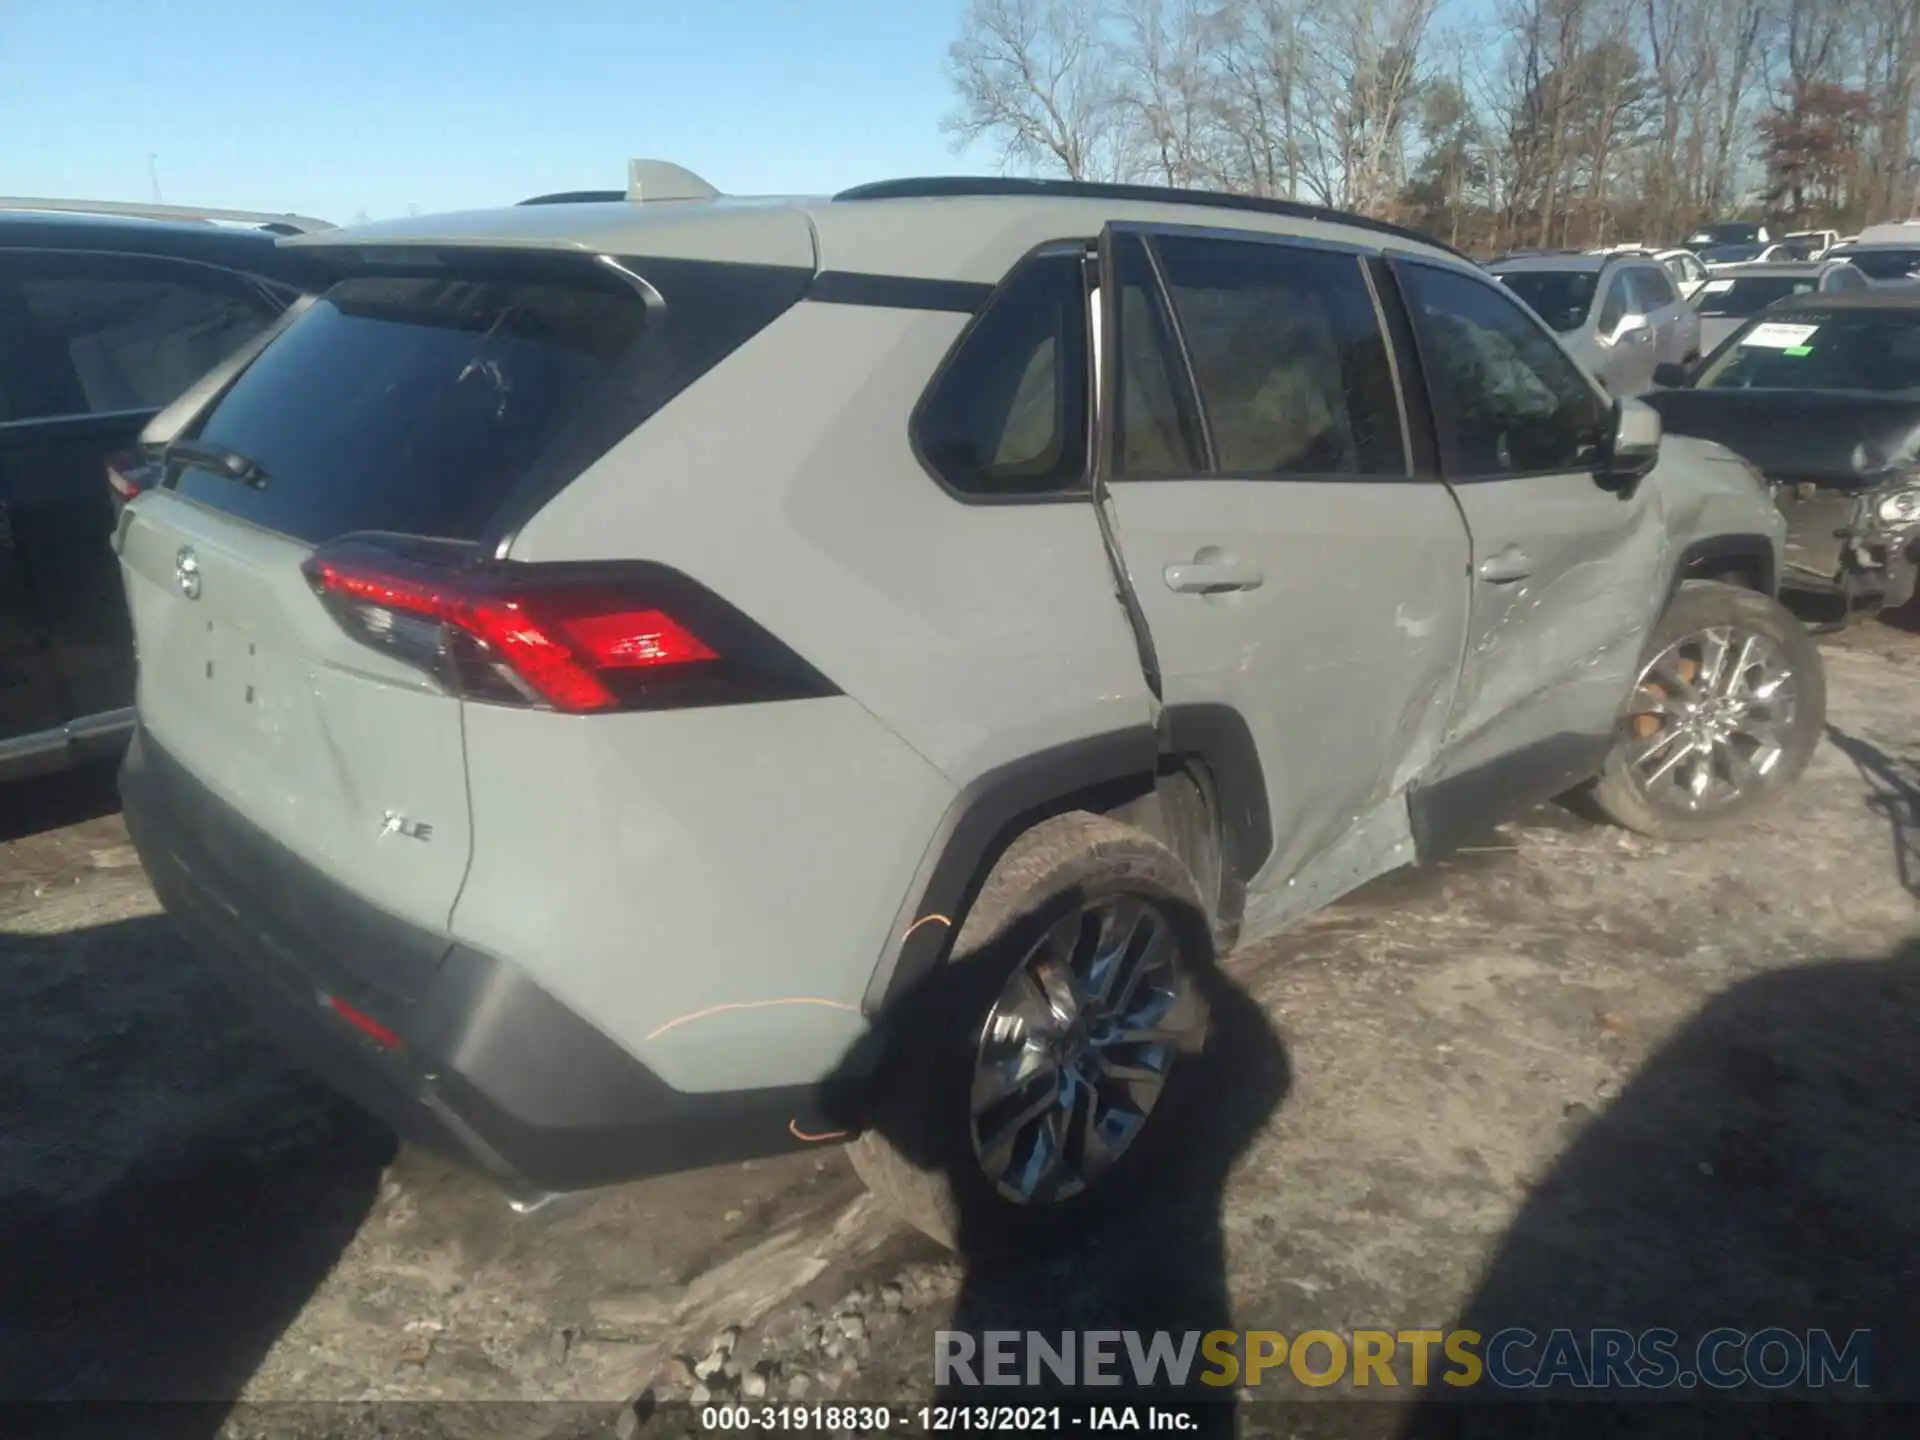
column 1634, row 447
column 1670, row 376
column 1631, row 327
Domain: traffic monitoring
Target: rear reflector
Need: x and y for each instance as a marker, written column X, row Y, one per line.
column 365, row 1024
column 571, row 638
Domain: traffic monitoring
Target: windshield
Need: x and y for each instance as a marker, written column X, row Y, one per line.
column 1559, row 297
column 1731, row 254
column 1802, row 247
column 1872, row 350
column 1750, row 294
column 1732, row 233
column 1889, row 264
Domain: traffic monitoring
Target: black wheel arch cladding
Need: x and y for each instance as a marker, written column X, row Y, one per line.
column 1718, row 556
column 1098, row 772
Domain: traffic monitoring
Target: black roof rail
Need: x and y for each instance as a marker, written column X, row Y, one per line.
column 577, row 197
column 953, row 186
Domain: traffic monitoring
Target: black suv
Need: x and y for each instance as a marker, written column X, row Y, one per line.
column 107, row 313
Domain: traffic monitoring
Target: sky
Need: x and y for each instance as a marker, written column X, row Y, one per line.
column 381, row 106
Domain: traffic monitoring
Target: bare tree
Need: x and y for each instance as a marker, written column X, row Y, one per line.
column 1164, row 77
column 1532, row 122
column 1265, row 50
column 1031, row 78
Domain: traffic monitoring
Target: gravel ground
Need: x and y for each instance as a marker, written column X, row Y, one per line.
column 1570, row 1077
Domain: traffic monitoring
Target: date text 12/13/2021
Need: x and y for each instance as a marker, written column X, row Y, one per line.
column 945, row 1419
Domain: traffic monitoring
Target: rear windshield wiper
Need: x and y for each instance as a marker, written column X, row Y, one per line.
column 218, row 461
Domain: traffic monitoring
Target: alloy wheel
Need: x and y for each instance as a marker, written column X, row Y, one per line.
column 1711, row 717
column 1076, row 1052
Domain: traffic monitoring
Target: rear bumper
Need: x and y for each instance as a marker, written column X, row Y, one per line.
column 488, row 1066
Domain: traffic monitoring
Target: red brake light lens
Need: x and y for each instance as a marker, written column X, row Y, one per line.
column 364, row 1023
column 635, row 637
column 574, row 639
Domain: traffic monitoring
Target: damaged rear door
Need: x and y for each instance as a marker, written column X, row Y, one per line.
column 1289, row 563
column 1568, row 574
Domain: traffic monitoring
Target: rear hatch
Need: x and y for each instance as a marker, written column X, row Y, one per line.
column 308, row 579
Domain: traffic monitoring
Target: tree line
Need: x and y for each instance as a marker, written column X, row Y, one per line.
column 1494, row 124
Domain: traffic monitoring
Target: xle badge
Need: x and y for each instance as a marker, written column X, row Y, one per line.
column 398, row 824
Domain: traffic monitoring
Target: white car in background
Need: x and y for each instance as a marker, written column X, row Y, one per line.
column 1686, row 269
column 1812, row 244
column 1753, row 252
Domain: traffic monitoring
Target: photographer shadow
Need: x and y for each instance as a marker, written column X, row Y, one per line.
column 1758, row 1172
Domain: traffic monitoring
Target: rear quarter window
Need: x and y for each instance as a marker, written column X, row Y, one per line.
column 423, row 403
column 1006, row 415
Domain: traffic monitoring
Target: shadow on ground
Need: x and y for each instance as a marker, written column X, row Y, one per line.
column 1893, row 793
column 170, row 1196
column 1759, row 1171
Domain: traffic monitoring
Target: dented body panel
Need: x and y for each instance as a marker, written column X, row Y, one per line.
column 1344, row 676
column 1567, row 580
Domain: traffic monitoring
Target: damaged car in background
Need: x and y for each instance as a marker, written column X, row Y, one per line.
column 1822, row 393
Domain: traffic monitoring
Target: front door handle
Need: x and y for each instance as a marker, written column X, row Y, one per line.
column 1210, row 573
column 1509, row 565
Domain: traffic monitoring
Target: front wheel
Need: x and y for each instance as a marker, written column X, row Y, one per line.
column 1725, row 714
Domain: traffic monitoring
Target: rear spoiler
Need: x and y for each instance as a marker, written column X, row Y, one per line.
column 279, row 224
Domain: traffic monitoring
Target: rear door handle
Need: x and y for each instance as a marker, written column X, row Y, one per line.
column 1211, row 576
column 1509, row 565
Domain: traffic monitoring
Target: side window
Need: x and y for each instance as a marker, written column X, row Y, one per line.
column 1158, row 433
column 128, row 332
column 1007, row 414
column 1288, row 354
column 1651, row 290
column 1508, row 400
column 1616, row 306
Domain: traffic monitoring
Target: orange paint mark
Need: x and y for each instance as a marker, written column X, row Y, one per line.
column 799, row 1134
column 922, row 921
column 751, row 1005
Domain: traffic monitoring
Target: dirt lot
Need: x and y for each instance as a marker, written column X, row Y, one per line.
column 1571, row 1077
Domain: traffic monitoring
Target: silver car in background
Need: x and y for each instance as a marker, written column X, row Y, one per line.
column 1729, row 299
column 1619, row 316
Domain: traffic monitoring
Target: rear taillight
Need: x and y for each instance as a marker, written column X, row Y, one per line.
column 581, row 639
column 128, row 475
column 363, row 1022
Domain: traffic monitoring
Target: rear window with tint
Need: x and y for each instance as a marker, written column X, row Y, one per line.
column 1887, row 264
column 421, row 403
column 1562, row 298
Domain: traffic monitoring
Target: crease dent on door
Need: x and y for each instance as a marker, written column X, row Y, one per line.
column 1525, row 652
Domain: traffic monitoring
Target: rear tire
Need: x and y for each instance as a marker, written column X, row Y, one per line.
column 1749, row 736
column 936, row 1152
